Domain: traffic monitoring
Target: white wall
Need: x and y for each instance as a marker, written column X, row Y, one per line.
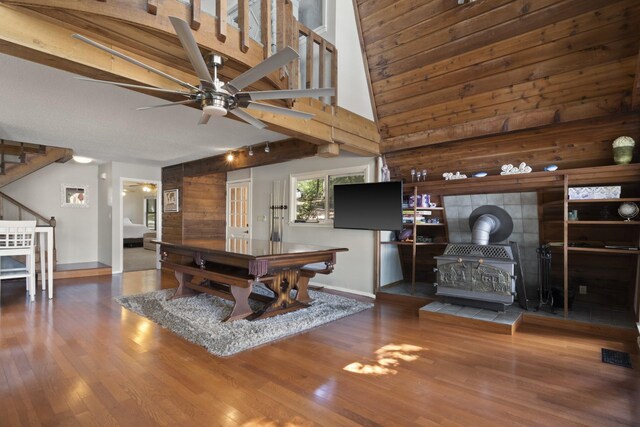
column 133, row 206
column 354, row 269
column 353, row 92
column 77, row 228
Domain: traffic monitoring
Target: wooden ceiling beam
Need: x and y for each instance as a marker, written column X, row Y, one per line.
column 279, row 152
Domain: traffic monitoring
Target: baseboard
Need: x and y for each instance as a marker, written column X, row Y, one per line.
column 588, row 328
column 345, row 290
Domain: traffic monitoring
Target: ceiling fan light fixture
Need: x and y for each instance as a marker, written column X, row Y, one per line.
column 215, row 110
column 215, row 106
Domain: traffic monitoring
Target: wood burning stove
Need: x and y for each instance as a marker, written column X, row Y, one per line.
column 478, row 273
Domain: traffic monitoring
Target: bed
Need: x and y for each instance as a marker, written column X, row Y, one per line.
column 132, row 234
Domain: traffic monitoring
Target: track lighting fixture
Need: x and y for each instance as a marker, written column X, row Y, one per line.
column 230, row 157
column 266, row 147
column 250, row 151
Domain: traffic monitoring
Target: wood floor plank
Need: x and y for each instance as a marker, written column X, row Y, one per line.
column 83, row 360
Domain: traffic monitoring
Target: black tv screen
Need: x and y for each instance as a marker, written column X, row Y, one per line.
column 373, row 206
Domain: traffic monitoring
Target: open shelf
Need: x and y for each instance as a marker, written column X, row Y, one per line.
column 632, row 199
column 604, row 250
column 621, row 222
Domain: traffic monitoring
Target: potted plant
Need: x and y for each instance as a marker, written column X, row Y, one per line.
column 623, row 150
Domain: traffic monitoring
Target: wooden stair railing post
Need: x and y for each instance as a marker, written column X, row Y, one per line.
column 52, row 223
column 48, row 221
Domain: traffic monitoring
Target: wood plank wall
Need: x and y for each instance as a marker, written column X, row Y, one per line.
column 442, row 72
column 569, row 145
column 202, row 205
column 172, row 178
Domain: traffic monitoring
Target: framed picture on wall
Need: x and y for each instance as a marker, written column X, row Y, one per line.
column 74, row 196
column 170, row 201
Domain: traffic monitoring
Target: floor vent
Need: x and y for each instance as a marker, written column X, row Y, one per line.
column 615, row 357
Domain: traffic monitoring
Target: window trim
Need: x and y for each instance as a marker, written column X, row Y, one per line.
column 321, row 174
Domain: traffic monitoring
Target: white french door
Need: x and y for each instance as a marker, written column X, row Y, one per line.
column 239, row 209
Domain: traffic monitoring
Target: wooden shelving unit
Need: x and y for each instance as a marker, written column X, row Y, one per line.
column 417, row 257
column 610, row 273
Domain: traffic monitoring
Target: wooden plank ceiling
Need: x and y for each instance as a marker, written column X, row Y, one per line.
column 444, row 72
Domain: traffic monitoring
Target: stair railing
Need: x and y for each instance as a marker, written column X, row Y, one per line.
column 40, row 219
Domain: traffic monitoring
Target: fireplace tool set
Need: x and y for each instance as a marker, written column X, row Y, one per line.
column 277, row 211
column 544, row 277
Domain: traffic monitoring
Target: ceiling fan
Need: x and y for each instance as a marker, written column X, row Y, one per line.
column 214, row 97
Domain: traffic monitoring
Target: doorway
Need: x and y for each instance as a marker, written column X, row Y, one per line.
column 239, row 209
column 139, row 224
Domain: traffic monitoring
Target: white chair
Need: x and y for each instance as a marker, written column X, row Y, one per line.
column 17, row 238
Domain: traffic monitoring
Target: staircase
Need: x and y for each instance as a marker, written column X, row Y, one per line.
column 19, row 159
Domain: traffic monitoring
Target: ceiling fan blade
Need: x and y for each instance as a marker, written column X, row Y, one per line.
column 189, row 44
column 204, row 119
column 157, row 89
column 171, row 104
column 254, row 74
column 279, row 110
column 248, row 118
column 134, row 61
column 287, row 94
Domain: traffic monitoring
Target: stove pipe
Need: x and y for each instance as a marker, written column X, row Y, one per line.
column 482, row 229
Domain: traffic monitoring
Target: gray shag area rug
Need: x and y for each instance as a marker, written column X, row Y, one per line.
column 198, row 319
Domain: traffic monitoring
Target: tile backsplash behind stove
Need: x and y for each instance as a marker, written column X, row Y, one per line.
column 523, row 208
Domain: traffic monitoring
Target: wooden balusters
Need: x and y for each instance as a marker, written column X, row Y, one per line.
column 152, row 7
column 195, row 14
column 309, row 68
column 265, row 26
column 243, row 24
column 221, row 12
column 313, row 40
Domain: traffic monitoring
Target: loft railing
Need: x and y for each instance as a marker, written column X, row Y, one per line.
column 273, row 24
column 18, row 212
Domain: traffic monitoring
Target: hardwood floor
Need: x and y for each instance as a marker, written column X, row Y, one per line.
column 83, row 360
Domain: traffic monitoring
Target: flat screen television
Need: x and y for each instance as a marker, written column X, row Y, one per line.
column 371, row 206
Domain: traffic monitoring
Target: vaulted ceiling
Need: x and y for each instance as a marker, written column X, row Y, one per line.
column 442, row 72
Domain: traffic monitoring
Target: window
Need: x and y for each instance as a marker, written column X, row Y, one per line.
column 311, row 14
column 312, row 197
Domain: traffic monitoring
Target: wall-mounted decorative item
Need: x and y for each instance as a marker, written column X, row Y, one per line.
column 551, row 168
column 511, row 170
column 74, row 196
column 449, row 176
column 623, row 150
column 170, row 201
